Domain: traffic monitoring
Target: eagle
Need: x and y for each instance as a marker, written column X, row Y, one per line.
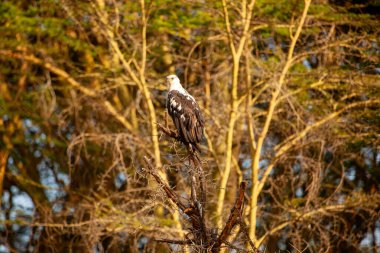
column 185, row 113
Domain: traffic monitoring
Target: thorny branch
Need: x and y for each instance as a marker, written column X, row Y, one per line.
column 235, row 215
column 194, row 210
column 191, row 209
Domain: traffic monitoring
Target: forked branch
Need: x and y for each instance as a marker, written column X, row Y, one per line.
column 202, row 238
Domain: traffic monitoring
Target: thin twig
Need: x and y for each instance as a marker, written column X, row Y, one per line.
column 182, row 242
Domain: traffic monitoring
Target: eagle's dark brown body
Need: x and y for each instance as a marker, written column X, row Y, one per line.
column 186, row 116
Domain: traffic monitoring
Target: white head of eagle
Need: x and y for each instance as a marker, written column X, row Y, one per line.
column 185, row 112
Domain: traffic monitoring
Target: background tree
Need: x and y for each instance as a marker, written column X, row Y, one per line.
column 290, row 91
